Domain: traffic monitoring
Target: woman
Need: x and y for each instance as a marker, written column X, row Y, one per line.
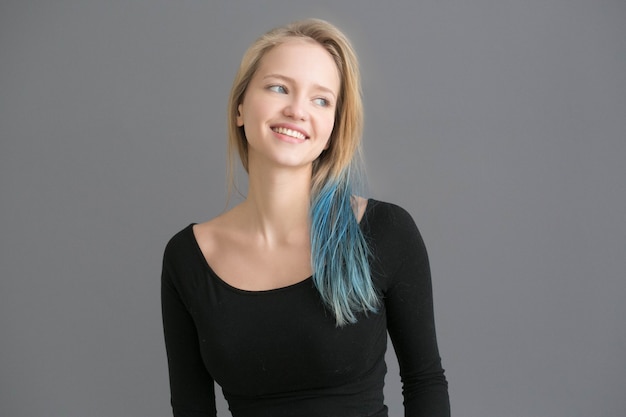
column 285, row 300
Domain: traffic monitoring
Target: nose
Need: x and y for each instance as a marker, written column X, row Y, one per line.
column 296, row 109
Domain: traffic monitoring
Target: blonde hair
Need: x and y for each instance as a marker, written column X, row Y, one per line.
column 345, row 139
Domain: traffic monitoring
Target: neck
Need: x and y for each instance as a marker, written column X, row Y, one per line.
column 277, row 205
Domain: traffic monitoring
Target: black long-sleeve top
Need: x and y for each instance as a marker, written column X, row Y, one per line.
column 279, row 352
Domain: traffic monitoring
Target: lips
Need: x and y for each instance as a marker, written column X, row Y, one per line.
column 291, row 131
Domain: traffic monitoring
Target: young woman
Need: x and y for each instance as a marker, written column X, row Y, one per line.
column 286, row 300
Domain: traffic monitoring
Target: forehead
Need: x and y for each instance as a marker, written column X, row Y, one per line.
column 303, row 60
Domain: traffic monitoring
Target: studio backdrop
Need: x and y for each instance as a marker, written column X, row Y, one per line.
column 500, row 126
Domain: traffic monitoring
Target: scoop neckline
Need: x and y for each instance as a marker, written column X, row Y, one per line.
column 222, row 282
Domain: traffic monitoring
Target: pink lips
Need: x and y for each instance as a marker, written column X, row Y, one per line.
column 287, row 135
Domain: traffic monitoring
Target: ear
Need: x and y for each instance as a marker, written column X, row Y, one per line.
column 239, row 115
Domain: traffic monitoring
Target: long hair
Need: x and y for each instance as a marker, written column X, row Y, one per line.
column 339, row 252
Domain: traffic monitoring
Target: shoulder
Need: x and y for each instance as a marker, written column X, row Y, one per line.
column 218, row 233
column 178, row 257
column 181, row 255
column 391, row 230
column 180, row 242
column 381, row 214
column 198, row 235
column 397, row 249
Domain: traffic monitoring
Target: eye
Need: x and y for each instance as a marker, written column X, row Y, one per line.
column 278, row 89
column 321, row 101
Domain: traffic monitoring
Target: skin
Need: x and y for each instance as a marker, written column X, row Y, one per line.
column 295, row 87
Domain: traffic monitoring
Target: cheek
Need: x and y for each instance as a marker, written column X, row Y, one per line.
column 329, row 125
column 326, row 122
column 327, row 144
column 328, row 131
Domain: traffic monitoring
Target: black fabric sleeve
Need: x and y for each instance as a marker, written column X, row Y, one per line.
column 410, row 321
column 191, row 386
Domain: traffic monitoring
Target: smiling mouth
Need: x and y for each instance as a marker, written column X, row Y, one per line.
column 289, row 132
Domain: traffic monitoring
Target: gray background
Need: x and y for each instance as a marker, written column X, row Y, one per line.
column 500, row 125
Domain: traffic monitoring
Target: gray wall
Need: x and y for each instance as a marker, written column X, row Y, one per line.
column 500, row 125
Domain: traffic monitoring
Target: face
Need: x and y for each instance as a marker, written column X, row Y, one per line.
column 288, row 110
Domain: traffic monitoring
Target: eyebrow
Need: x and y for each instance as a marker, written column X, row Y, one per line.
column 292, row 81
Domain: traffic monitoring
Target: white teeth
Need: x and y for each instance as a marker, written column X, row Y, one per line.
column 289, row 132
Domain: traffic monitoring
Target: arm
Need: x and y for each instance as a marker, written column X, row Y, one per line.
column 411, row 325
column 191, row 386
